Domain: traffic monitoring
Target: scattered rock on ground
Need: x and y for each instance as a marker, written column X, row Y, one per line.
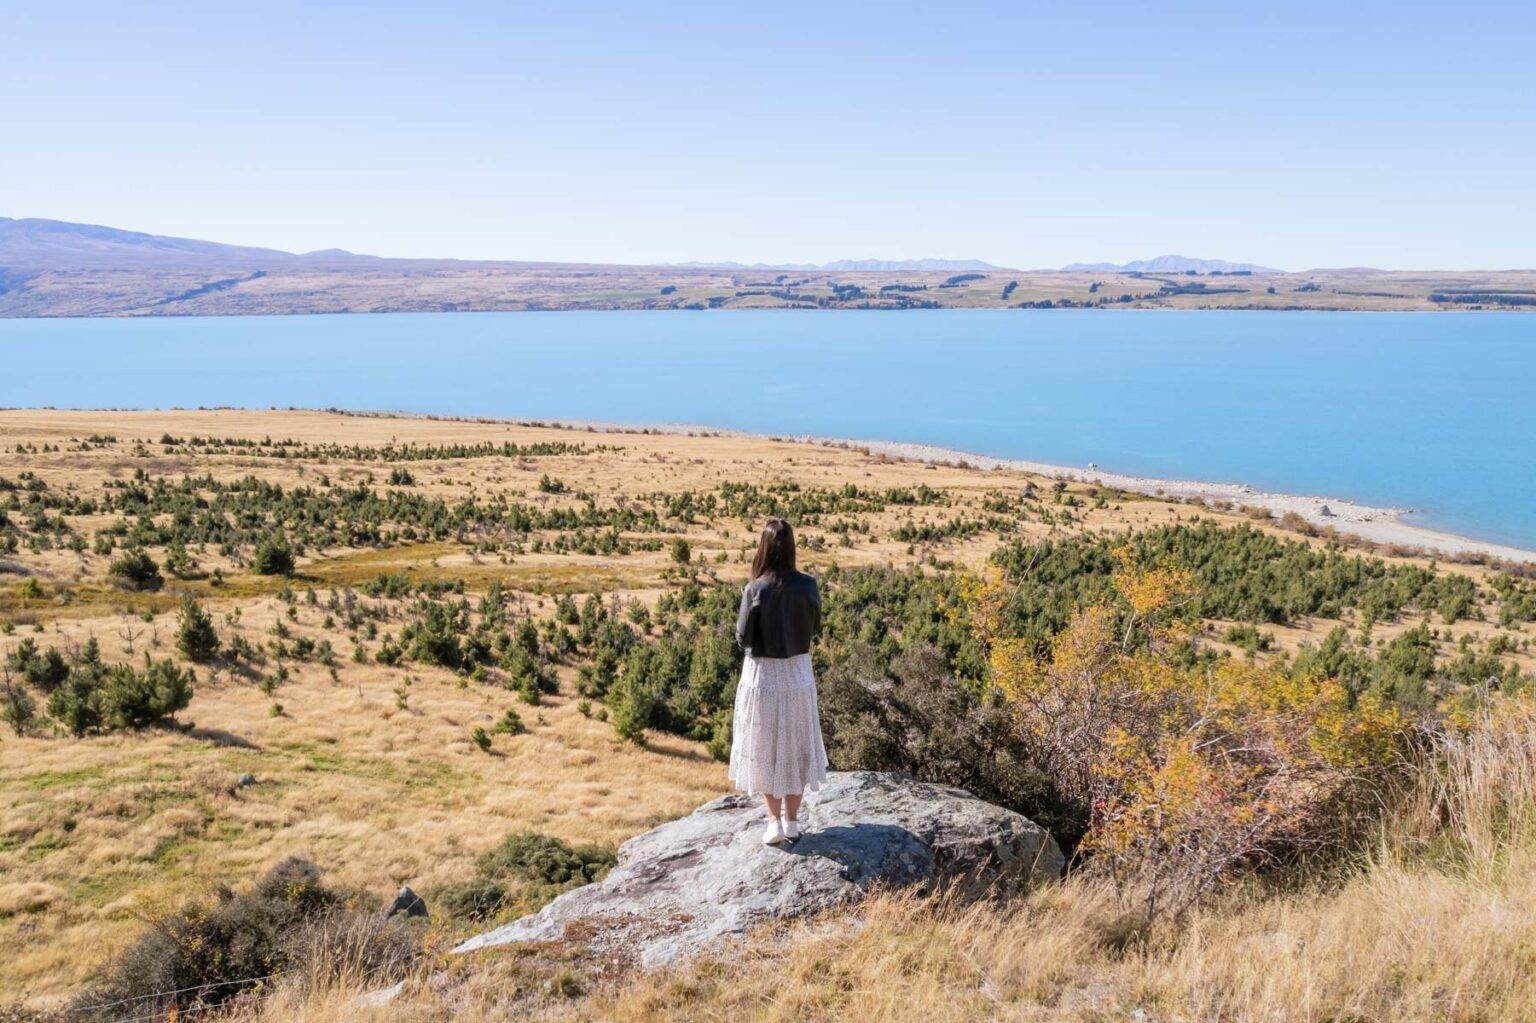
column 379, row 998
column 707, row 877
column 409, row 903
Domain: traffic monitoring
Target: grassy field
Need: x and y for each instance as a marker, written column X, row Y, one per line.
column 369, row 768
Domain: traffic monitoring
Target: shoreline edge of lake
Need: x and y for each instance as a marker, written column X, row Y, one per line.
column 1366, row 522
column 1348, row 518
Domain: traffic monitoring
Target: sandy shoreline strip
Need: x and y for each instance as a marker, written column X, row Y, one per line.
column 1378, row 525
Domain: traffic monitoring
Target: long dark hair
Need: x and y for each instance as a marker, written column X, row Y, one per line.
column 775, row 550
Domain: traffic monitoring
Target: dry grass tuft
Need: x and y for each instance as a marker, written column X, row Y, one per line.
column 28, row 897
column 1438, row 924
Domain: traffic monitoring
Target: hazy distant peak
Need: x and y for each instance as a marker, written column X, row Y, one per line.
column 854, row 265
column 1170, row 265
column 35, row 241
column 899, row 265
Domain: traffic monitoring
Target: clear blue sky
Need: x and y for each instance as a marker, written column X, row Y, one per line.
column 1301, row 134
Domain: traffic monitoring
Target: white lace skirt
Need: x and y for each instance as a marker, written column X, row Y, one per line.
column 776, row 746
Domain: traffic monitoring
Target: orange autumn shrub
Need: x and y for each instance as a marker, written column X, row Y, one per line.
column 1189, row 769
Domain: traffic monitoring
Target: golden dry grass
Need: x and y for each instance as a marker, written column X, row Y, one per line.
column 121, row 826
column 1437, row 924
column 97, row 834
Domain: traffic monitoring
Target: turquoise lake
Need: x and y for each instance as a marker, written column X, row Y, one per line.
column 1435, row 412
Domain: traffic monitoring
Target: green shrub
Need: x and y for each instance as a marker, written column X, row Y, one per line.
column 17, row 708
column 76, row 703
column 527, row 674
column 195, row 637
column 475, row 899
column 47, row 670
column 1248, row 637
column 631, row 708
column 272, row 556
column 19, row 658
column 434, row 637
column 95, row 696
column 530, row 856
column 43, row 670
column 136, row 570
column 388, row 653
column 180, row 564
column 133, row 699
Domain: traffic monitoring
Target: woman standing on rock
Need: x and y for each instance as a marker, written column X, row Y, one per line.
column 776, row 747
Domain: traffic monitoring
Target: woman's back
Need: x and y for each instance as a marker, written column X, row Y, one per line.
column 776, row 744
column 780, row 615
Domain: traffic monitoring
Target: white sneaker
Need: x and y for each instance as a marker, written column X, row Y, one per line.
column 791, row 830
column 774, row 833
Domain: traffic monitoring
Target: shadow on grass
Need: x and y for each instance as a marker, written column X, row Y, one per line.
column 218, row 737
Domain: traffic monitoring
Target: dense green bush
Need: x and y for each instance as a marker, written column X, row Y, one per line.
column 522, row 872
column 195, row 635
column 44, row 670
column 510, row 723
column 133, row 699
column 530, row 856
column 17, row 708
column 475, row 899
column 1241, row 573
column 433, row 636
column 136, row 570
column 97, row 697
column 272, row 556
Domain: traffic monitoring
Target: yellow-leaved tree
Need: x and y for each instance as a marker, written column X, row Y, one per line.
column 1188, row 768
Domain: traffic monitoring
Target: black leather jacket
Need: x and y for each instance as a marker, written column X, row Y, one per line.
column 779, row 617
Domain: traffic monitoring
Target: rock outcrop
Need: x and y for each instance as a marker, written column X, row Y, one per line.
column 407, row 902
column 689, row 883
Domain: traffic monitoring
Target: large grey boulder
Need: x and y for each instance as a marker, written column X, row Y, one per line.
column 708, row 876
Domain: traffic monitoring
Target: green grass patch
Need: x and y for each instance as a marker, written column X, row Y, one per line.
column 44, row 780
column 45, row 845
column 406, row 773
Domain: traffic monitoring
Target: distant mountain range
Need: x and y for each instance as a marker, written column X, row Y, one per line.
column 33, row 243
column 1170, row 265
column 54, row 268
column 855, row 265
column 55, row 244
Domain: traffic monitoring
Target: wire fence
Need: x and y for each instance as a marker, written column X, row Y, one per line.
column 135, row 1005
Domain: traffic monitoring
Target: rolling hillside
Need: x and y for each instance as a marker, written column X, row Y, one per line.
column 53, row 268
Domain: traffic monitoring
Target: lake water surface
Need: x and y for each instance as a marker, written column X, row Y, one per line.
column 1436, row 412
